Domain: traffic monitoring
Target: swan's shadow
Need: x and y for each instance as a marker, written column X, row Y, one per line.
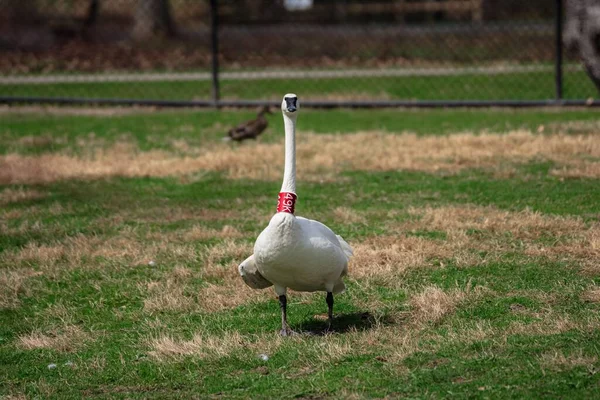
column 342, row 323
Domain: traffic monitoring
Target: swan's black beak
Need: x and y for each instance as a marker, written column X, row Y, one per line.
column 291, row 104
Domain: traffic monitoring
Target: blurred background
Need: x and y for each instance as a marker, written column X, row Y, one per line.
column 329, row 50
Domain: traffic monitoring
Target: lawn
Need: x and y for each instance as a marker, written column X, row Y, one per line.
column 503, row 86
column 476, row 236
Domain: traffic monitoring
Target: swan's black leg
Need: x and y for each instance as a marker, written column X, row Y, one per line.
column 285, row 330
column 329, row 300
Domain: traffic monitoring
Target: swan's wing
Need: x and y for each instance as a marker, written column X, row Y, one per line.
column 251, row 276
column 345, row 247
column 316, row 228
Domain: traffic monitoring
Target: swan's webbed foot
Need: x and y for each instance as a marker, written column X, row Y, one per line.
column 287, row 332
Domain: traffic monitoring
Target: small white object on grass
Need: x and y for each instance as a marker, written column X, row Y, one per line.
column 152, row 263
column 68, row 364
column 263, row 357
column 51, row 366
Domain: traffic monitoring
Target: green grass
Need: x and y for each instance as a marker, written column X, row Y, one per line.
column 103, row 295
column 515, row 86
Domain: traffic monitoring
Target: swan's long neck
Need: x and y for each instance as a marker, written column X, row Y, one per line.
column 289, row 172
column 287, row 195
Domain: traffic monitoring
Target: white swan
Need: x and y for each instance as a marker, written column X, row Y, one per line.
column 295, row 252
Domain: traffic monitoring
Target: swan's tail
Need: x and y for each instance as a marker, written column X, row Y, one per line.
column 345, row 247
column 339, row 287
column 249, row 273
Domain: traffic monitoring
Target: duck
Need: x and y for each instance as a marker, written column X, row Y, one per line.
column 250, row 129
column 294, row 252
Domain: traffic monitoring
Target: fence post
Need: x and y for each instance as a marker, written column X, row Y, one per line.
column 558, row 71
column 214, row 36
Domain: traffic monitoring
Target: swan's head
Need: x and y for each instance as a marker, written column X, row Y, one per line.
column 290, row 105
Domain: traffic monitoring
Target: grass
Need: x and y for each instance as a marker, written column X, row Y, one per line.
column 507, row 86
column 476, row 278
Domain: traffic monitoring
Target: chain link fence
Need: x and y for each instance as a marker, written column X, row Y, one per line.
column 252, row 51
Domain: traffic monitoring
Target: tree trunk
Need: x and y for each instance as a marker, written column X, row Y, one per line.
column 572, row 26
column 582, row 34
column 152, row 17
column 92, row 14
column 589, row 43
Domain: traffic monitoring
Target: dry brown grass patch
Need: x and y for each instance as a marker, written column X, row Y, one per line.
column 167, row 297
column 315, row 350
column 13, row 285
column 213, row 346
column 572, row 237
column 557, row 360
column 524, row 224
column 433, row 304
column 174, row 214
column 572, row 127
column 220, row 263
column 15, row 195
column 400, row 342
column 66, row 339
column 198, row 232
column 391, row 256
column 172, row 293
column 225, row 290
column 84, row 251
column 578, row 169
column 548, row 322
column 388, row 257
column 222, row 259
column 591, row 294
column 40, row 141
column 214, row 298
column 348, row 216
column 321, row 156
column 15, row 397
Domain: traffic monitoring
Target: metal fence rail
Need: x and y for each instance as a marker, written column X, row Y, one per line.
column 444, row 53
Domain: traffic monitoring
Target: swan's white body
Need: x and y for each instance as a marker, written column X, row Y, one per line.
column 301, row 254
column 296, row 252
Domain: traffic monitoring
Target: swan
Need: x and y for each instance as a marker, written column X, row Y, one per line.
column 295, row 252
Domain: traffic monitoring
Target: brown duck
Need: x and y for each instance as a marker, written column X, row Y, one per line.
column 250, row 129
